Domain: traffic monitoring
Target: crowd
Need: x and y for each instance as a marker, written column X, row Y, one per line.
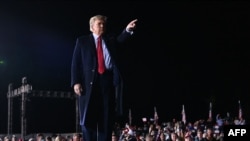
column 153, row 130
column 200, row 130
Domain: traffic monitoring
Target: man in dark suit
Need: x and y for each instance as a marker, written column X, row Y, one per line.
column 97, row 85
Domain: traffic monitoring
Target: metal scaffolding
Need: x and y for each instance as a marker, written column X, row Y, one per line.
column 25, row 91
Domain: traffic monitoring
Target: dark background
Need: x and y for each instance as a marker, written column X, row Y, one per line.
column 190, row 53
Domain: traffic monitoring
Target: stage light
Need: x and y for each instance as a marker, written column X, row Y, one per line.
column 1, row 62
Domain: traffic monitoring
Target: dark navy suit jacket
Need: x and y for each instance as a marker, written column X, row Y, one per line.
column 84, row 69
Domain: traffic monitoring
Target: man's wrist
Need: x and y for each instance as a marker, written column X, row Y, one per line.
column 129, row 31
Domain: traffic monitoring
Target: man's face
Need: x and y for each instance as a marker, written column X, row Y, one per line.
column 98, row 27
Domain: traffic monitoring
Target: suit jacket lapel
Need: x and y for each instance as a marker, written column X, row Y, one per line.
column 92, row 45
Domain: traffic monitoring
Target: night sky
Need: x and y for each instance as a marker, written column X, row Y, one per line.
column 182, row 53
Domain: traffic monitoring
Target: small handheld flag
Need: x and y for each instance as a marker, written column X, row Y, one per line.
column 183, row 114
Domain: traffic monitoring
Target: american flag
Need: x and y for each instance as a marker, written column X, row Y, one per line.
column 210, row 111
column 130, row 117
column 183, row 114
column 240, row 111
column 155, row 116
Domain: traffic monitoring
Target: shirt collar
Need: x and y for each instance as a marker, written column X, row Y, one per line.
column 95, row 36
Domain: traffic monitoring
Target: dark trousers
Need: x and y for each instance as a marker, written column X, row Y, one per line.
column 102, row 106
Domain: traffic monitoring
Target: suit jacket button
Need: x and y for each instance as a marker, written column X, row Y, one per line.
column 91, row 83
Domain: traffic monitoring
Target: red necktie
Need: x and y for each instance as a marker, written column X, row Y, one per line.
column 101, row 65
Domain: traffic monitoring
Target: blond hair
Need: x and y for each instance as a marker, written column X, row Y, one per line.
column 96, row 17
